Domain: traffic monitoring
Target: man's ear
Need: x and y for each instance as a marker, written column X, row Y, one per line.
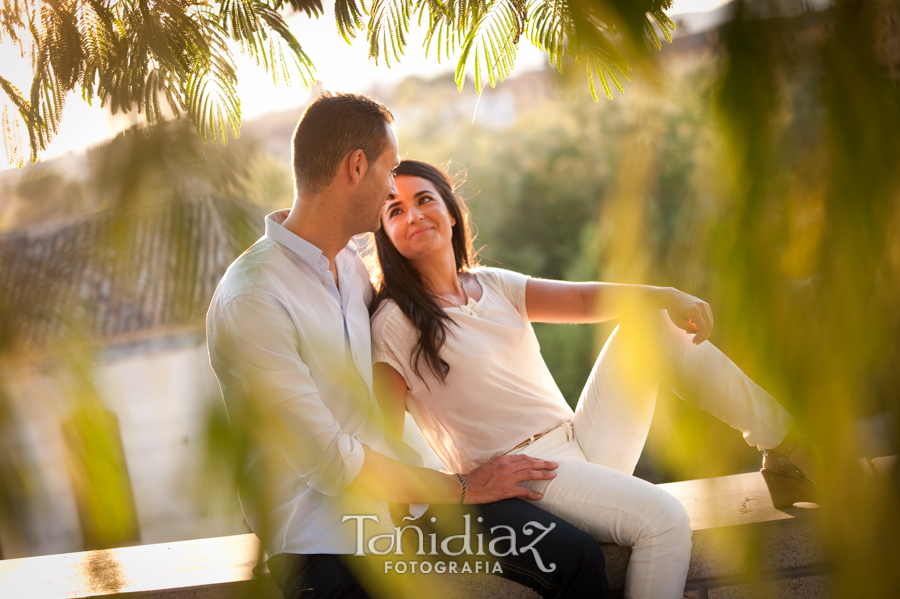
column 357, row 166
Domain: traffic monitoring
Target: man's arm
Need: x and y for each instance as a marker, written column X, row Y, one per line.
column 493, row 481
column 389, row 480
column 255, row 342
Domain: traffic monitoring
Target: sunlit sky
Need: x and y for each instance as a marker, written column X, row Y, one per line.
column 339, row 66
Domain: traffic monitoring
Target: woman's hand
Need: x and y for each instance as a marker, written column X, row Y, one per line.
column 688, row 313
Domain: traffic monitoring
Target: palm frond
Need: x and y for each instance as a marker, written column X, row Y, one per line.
column 388, row 28
column 605, row 62
column 441, row 30
column 212, row 100
column 35, row 125
column 172, row 91
column 546, row 29
column 94, row 30
column 494, row 37
column 591, row 43
column 62, row 41
column 450, row 23
column 302, row 63
column 130, row 54
column 665, row 24
column 47, row 99
column 150, row 101
column 12, row 137
column 12, row 21
column 312, row 8
column 348, row 16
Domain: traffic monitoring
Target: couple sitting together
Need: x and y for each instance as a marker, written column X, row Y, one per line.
column 290, row 336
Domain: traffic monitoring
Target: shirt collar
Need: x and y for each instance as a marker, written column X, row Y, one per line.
column 292, row 241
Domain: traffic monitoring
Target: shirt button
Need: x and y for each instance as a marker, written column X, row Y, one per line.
column 356, row 356
column 328, row 282
column 323, row 262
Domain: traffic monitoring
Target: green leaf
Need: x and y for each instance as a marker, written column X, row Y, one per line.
column 546, row 30
column 495, row 37
column 212, row 100
column 388, row 27
column 650, row 34
column 301, row 61
column 12, row 138
column 440, row 25
column 348, row 16
column 666, row 25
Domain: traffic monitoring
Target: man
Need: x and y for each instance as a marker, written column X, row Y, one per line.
column 288, row 334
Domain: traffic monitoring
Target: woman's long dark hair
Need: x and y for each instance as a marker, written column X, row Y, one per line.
column 397, row 279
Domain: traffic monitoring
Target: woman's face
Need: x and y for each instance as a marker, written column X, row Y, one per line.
column 417, row 222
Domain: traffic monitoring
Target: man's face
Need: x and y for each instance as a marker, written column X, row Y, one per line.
column 378, row 183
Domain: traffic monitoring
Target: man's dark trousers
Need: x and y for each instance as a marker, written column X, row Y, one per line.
column 574, row 557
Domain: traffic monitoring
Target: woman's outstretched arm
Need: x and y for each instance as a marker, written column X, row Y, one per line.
column 564, row 302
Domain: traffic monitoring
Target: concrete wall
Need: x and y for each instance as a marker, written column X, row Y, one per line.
column 160, row 389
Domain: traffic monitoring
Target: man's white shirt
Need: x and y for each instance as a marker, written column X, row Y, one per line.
column 287, row 343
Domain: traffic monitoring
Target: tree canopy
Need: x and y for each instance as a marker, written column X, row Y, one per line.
column 146, row 55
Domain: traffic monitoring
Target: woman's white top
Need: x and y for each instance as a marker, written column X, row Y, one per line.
column 498, row 393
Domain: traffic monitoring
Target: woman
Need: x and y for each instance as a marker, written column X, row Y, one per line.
column 453, row 344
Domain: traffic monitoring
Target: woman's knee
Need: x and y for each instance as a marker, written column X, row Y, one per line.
column 675, row 522
column 670, row 521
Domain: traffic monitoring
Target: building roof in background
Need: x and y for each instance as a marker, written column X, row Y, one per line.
column 119, row 273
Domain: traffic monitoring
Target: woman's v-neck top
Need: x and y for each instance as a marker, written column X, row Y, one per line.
column 499, row 391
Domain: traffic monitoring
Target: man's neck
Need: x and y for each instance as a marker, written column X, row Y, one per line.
column 313, row 222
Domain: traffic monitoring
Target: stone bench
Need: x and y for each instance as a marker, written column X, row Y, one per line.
column 732, row 517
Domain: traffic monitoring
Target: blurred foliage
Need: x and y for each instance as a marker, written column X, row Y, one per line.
column 758, row 172
column 159, row 216
column 108, row 518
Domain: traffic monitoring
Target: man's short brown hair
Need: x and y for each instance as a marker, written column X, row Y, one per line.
column 334, row 125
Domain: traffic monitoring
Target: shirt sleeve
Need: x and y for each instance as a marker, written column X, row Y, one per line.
column 255, row 352
column 511, row 284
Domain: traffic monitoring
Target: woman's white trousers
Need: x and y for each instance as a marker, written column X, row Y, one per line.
column 597, row 452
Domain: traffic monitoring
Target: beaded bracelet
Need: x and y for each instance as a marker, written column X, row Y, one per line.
column 462, row 499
